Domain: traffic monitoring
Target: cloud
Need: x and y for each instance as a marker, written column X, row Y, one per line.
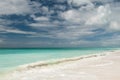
column 4, row 29
column 71, row 16
column 62, row 22
column 39, row 19
column 79, row 2
column 101, row 17
column 41, row 22
column 1, row 40
column 78, row 23
column 8, row 7
column 72, row 33
column 111, row 41
column 114, row 26
column 78, row 15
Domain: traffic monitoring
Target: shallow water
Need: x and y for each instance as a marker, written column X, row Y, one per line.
column 12, row 58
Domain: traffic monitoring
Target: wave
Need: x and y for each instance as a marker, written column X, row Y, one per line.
column 57, row 61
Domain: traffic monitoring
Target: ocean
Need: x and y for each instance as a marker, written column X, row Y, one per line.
column 10, row 59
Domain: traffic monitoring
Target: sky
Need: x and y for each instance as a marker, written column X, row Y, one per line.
column 59, row 23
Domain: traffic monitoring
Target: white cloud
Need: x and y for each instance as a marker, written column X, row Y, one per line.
column 68, row 32
column 1, row 40
column 114, row 26
column 78, row 15
column 40, row 24
column 79, row 22
column 14, row 7
column 19, row 31
column 39, row 19
column 44, row 10
column 71, row 32
column 101, row 17
column 5, row 22
column 78, row 2
column 60, row 7
column 71, row 16
column 4, row 29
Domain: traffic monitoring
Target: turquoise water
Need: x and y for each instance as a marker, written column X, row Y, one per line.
column 11, row 58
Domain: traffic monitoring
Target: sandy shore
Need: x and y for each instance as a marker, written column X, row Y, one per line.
column 103, row 67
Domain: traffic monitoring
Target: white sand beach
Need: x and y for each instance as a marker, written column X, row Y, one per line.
column 104, row 66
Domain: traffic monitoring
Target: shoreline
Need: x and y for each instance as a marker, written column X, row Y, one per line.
column 86, row 64
column 53, row 62
column 59, row 61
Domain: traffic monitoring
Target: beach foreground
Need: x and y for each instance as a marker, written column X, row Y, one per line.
column 104, row 66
